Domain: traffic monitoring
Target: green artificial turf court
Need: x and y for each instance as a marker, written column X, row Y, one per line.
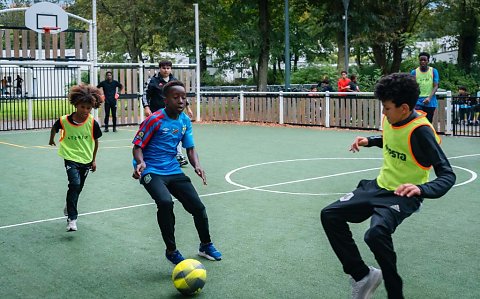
column 266, row 187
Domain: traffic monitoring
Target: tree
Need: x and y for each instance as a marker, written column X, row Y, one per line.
column 386, row 26
column 263, row 59
column 123, row 26
column 468, row 14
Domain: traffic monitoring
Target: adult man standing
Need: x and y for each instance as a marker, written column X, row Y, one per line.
column 109, row 87
column 154, row 99
column 427, row 78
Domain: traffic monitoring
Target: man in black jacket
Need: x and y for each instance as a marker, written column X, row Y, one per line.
column 154, row 100
column 109, row 87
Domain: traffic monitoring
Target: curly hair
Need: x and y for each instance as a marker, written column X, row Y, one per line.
column 400, row 88
column 171, row 84
column 85, row 93
column 424, row 54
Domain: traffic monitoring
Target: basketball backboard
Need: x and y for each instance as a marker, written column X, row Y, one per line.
column 46, row 15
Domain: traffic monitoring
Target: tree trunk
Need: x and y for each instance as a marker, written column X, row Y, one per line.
column 279, row 62
column 380, row 56
column 397, row 50
column 358, row 56
column 295, row 61
column 468, row 38
column 203, row 58
column 264, row 25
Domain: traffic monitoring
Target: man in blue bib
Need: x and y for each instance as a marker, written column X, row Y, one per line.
column 427, row 78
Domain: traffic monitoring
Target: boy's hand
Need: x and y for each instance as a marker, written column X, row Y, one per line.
column 93, row 167
column 147, row 111
column 117, row 96
column 359, row 141
column 137, row 172
column 408, row 190
column 189, row 112
column 201, row 173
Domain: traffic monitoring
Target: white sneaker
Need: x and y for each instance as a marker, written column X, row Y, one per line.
column 71, row 225
column 65, row 212
column 365, row 288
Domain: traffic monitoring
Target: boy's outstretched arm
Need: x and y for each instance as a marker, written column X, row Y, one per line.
column 367, row 142
column 52, row 137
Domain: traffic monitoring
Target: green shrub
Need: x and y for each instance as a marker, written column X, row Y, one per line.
column 314, row 74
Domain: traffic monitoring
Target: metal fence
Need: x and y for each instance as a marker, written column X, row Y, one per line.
column 355, row 110
column 465, row 116
column 34, row 95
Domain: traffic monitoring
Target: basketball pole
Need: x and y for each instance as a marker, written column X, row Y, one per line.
column 94, row 46
column 197, row 58
column 93, row 50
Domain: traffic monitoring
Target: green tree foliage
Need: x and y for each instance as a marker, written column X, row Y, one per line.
column 249, row 34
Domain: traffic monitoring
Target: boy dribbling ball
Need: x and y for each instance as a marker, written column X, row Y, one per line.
column 79, row 133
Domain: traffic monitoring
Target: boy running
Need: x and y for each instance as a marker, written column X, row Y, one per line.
column 78, row 144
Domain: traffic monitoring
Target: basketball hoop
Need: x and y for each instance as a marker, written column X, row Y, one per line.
column 47, row 29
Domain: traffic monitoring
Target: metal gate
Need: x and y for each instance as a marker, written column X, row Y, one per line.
column 33, row 96
column 465, row 118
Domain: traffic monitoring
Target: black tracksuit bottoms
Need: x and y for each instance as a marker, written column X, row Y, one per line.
column 161, row 188
column 387, row 211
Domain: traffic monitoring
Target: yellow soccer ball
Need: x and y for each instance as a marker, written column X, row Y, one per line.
column 189, row 276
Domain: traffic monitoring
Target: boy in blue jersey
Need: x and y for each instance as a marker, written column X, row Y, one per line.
column 155, row 164
column 410, row 149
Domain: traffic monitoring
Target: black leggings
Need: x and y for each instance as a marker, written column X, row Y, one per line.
column 110, row 107
column 77, row 174
column 387, row 211
column 179, row 185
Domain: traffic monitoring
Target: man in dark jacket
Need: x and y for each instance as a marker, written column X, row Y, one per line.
column 154, row 100
column 109, row 87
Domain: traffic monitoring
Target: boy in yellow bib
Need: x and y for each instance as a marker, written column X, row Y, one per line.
column 410, row 148
column 78, row 144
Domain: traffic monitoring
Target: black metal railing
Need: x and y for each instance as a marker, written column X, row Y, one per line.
column 465, row 116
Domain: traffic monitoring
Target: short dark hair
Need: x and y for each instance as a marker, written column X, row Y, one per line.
column 343, row 72
column 461, row 87
column 85, row 93
column 170, row 84
column 109, row 72
column 165, row 63
column 400, row 88
column 424, row 54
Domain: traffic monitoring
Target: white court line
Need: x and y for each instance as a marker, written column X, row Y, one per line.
column 107, row 210
column 244, row 188
column 472, row 178
column 11, row 144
